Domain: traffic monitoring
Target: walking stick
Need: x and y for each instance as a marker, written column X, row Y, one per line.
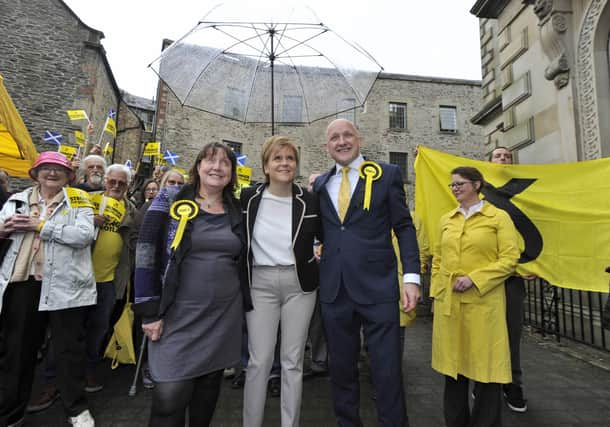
column 133, row 388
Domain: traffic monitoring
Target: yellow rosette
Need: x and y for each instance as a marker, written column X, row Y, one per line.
column 369, row 171
column 182, row 211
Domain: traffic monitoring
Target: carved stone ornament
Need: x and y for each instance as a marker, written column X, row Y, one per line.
column 587, row 94
column 555, row 39
column 542, row 8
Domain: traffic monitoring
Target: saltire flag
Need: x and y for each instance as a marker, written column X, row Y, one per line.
column 128, row 164
column 170, row 157
column 241, row 159
column 53, row 137
column 152, row 149
column 110, row 125
column 75, row 115
column 561, row 211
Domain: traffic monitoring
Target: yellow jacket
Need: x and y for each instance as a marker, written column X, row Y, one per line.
column 469, row 333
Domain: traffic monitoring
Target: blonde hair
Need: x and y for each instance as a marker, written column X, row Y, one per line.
column 276, row 142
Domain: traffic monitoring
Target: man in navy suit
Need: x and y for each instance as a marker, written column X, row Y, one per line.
column 358, row 286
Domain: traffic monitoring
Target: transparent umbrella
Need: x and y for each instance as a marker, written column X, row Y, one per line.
column 267, row 71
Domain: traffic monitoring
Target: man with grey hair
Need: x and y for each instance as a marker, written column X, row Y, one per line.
column 93, row 168
column 112, row 256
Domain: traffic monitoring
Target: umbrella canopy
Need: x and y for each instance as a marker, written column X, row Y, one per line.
column 267, row 72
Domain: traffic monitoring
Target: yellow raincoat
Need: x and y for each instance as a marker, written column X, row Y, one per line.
column 469, row 334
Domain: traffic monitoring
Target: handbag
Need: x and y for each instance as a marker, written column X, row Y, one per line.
column 120, row 348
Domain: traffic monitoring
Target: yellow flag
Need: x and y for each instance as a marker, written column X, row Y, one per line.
column 114, row 209
column 78, row 198
column 110, row 126
column 79, row 138
column 562, row 212
column 152, row 149
column 68, row 151
column 107, row 151
column 75, row 115
column 244, row 175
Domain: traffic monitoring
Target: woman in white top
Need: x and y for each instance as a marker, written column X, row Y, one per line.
column 282, row 220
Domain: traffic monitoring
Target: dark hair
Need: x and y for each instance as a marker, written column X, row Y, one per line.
column 491, row 153
column 471, row 174
column 145, row 184
column 209, row 150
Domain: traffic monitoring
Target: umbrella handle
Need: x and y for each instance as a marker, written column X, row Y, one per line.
column 133, row 388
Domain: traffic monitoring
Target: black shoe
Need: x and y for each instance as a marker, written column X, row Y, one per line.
column 513, row 395
column 311, row 372
column 275, row 387
column 239, row 380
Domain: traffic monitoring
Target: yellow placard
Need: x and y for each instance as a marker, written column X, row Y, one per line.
column 110, row 126
column 152, row 149
column 75, row 115
column 67, row 151
column 109, row 207
column 77, row 198
column 79, row 138
column 244, row 175
column 107, row 149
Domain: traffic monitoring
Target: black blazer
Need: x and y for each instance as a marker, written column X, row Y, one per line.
column 305, row 227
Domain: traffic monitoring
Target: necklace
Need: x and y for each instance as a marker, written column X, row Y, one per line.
column 205, row 201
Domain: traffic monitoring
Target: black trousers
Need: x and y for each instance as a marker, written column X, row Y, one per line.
column 22, row 329
column 486, row 410
column 515, row 295
column 171, row 399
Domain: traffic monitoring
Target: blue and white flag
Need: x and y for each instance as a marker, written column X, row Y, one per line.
column 53, row 137
column 128, row 164
column 112, row 114
column 241, row 159
column 170, row 157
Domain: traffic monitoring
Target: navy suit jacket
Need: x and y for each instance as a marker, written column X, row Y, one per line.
column 359, row 252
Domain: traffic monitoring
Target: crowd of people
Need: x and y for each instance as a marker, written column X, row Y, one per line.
column 337, row 264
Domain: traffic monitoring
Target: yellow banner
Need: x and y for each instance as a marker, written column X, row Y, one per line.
column 78, row 198
column 110, row 126
column 244, row 175
column 75, row 115
column 67, row 151
column 108, row 207
column 107, row 151
column 562, row 212
column 152, row 149
column 79, row 138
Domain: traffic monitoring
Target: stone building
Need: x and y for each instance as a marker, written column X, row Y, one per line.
column 401, row 112
column 546, row 81
column 52, row 62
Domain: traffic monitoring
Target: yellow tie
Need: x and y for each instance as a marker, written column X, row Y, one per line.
column 344, row 193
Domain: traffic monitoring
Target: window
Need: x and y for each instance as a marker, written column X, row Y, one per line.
column 348, row 104
column 292, row 109
column 235, row 146
column 448, row 119
column 233, row 102
column 400, row 160
column 398, row 115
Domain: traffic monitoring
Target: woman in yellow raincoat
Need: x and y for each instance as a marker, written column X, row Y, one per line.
column 477, row 250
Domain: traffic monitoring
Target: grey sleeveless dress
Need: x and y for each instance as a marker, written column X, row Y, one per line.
column 202, row 329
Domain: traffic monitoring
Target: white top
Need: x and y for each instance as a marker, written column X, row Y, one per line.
column 472, row 210
column 332, row 186
column 272, row 234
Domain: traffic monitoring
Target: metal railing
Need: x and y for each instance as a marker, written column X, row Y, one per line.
column 566, row 313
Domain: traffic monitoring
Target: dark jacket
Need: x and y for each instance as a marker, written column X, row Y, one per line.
column 305, row 227
column 158, row 269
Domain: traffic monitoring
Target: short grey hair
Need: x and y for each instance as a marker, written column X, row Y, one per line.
column 118, row 167
column 94, row 157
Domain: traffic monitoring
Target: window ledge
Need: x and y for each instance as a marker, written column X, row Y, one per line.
column 397, row 129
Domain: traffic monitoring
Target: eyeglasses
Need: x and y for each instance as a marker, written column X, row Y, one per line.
column 116, row 183
column 173, row 182
column 56, row 169
column 459, row 184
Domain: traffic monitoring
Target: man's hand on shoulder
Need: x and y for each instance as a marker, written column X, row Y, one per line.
column 410, row 296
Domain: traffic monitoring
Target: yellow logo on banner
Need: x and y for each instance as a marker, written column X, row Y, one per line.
column 244, row 175
column 79, row 138
column 75, row 115
column 78, row 198
column 67, row 151
column 110, row 126
column 152, row 149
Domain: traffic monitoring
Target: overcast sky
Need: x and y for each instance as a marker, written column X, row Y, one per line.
column 422, row 37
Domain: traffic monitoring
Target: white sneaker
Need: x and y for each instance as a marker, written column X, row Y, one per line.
column 84, row 419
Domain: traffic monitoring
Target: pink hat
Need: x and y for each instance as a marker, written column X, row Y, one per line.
column 50, row 157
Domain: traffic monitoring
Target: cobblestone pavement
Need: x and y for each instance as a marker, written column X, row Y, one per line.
column 563, row 391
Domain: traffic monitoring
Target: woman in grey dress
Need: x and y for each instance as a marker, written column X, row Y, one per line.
column 189, row 276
